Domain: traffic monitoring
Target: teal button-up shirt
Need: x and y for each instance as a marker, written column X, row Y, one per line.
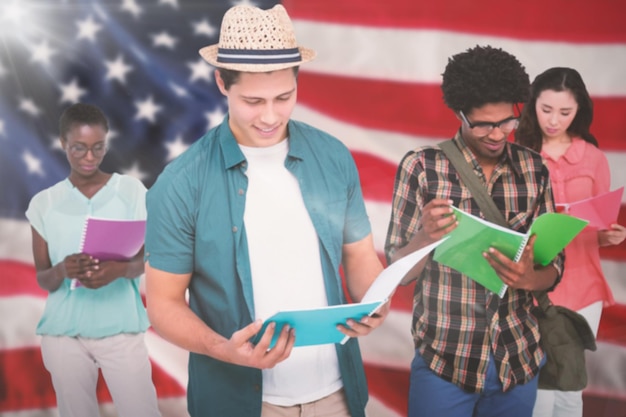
column 58, row 214
column 195, row 224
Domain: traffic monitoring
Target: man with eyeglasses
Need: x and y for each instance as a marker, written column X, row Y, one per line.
column 476, row 354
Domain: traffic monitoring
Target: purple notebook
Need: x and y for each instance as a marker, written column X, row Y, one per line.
column 111, row 239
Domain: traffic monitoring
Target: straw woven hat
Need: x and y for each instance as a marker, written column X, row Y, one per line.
column 256, row 40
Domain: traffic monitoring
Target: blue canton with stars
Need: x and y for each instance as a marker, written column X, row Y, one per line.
column 136, row 59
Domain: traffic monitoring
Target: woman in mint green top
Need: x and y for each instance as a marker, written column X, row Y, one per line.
column 101, row 323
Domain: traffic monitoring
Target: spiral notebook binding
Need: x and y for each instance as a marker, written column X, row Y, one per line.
column 520, row 250
column 76, row 283
column 83, row 234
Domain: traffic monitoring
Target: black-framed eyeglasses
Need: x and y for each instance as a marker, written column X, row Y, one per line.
column 485, row 128
column 79, row 151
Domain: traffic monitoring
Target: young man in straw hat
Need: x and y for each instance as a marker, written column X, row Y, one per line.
column 476, row 354
column 257, row 216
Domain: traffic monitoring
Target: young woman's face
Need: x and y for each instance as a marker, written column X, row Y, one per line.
column 85, row 147
column 555, row 112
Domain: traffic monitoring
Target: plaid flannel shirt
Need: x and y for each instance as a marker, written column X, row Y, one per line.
column 456, row 321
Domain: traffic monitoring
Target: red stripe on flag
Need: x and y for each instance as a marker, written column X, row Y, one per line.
column 379, row 104
column 418, row 109
column 403, row 298
column 613, row 325
column 377, row 176
column 19, row 279
column 595, row 405
column 550, row 20
column 608, row 122
column 25, row 384
column 389, row 386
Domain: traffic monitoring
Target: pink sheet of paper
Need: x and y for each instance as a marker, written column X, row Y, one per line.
column 601, row 210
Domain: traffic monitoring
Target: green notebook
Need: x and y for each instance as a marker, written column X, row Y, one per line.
column 473, row 236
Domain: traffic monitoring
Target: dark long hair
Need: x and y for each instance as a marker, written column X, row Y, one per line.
column 557, row 79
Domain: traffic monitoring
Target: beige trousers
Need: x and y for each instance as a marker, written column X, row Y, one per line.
column 334, row 405
column 73, row 363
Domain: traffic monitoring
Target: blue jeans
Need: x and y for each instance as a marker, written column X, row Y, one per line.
column 430, row 395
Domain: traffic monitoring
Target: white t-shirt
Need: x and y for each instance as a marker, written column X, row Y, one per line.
column 286, row 273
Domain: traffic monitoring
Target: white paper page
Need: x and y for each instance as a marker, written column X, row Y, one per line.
column 390, row 277
column 387, row 281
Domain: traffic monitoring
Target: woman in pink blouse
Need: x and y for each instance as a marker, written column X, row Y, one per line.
column 556, row 122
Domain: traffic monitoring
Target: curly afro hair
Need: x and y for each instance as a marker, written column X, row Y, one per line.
column 482, row 75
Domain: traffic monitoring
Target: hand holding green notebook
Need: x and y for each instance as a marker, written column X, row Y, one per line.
column 473, row 236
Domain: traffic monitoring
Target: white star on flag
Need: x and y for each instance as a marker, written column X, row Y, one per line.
column 164, row 39
column 214, row 118
column 203, row 27
column 147, row 109
column 200, row 70
column 173, row 3
column 88, row 29
column 175, row 147
column 117, row 70
column 28, row 105
column 134, row 171
column 132, row 7
column 33, row 164
column 71, row 92
column 42, row 53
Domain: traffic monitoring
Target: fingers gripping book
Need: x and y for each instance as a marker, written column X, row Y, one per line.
column 319, row 326
column 601, row 210
column 464, row 248
column 111, row 239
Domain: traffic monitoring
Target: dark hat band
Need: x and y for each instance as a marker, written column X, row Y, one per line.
column 256, row 56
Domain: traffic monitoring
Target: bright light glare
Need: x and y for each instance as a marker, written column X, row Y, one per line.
column 14, row 12
column 19, row 17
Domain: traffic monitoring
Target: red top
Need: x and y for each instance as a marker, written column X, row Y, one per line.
column 582, row 172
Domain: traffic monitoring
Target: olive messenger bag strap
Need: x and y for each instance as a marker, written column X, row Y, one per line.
column 482, row 198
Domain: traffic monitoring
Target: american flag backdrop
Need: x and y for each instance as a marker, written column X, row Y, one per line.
column 374, row 85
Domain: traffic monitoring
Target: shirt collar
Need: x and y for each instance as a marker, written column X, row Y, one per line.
column 233, row 155
column 575, row 152
column 230, row 150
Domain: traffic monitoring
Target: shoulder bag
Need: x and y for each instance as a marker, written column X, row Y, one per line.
column 565, row 334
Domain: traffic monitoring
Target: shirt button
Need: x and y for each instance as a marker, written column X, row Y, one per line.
column 240, row 191
column 257, row 387
column 234, row 229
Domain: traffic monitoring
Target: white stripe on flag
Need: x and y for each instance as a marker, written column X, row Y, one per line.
column 374, row 53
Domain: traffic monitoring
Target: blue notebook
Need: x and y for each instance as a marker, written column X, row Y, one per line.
column 319, row 326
